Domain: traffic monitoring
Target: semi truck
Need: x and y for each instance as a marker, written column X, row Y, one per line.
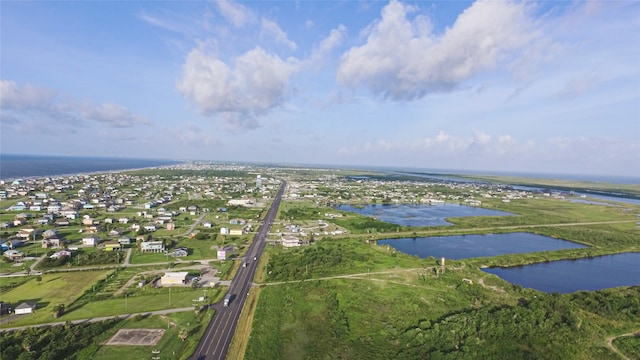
column 227, row 300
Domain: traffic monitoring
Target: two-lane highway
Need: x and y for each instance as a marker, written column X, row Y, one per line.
column 217, row 337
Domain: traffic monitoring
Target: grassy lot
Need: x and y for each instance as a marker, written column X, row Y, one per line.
column 53, row 289
column 11, row 267
column 415, row 316
column 169, row 347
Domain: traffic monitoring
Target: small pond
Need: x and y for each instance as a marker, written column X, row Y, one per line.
column 420, row 215
column 566, row 276
column 471, row 246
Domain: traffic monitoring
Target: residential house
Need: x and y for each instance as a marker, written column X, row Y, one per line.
column 290, row 241
column 13, row 255
column 112, row 245
column 235, row 232
column 171, row 226
column 90, row 241
column 50, row 233
column 14, row 244
column 180, row 252
column 124, row 241
column 152, row 246
column 62, row 222
column 61, row 253
column 50, row 243
column 224, row 231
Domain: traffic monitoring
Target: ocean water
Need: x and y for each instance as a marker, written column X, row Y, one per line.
column 27, row 166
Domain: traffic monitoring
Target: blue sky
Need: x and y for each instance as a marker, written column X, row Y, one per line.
column 549, row 87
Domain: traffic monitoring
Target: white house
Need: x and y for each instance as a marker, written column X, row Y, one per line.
column 174, row 278
column 224, row 231
column 25, row 308
column 151, row 246
column 90, row 241
column 290, row 241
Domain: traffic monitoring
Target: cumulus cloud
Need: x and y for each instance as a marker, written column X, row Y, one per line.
column 271, row 30
column 193, row 135
column 235, row 13
column 113, row 115
column 444, row 144
column 403, row 59
column 253, row 84
column 30, row 105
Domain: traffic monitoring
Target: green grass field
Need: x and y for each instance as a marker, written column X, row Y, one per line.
column 54, row 289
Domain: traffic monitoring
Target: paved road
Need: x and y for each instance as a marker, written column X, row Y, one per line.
column 216, row 339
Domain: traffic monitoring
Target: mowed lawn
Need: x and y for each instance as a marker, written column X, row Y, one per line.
column 53, row 289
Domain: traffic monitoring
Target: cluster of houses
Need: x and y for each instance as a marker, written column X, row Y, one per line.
column 368, row 190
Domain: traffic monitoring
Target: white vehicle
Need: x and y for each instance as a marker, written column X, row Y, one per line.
column 255, row 258
column 244, row 264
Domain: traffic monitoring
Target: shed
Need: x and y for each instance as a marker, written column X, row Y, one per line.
column 25, row 308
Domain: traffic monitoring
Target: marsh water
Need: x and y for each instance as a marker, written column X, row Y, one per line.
column 471, row 246
column 566, row 276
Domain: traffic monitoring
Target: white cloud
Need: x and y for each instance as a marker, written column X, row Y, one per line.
column 444, row 144
column 112, row 114
column 193, row 136
column 327, row 45
column 255, row 83
column 270, row 29
column 26, row 97
column 31, row 106
column 403, row 59
column 235, row 13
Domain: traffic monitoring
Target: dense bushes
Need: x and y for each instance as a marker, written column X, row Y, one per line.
column 53, row 342
column 311, row 262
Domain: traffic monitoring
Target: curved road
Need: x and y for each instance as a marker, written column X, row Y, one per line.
column 216, row 339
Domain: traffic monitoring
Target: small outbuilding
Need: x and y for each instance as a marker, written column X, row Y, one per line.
column 25, row 308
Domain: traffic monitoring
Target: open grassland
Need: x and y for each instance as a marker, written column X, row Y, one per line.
column 53, row 289
column 422, row 313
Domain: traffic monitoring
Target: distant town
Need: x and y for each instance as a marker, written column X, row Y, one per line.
column 167, row 240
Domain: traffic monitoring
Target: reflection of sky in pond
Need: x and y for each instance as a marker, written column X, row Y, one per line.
column 567, row 276
column 471, row 246
column 420, row 215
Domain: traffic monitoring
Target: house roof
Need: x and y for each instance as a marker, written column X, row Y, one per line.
column 26, row 305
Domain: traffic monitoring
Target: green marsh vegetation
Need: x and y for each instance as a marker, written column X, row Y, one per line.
column 342, row 297
column 383, row 304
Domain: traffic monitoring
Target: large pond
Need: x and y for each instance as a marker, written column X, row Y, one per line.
column 420, row 215
column 566, row 276
column 471, row 246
